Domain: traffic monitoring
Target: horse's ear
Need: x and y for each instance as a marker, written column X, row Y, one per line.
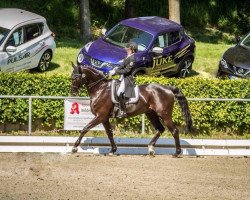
column 73, row 65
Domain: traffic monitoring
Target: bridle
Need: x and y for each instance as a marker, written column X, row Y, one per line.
column 74, row 76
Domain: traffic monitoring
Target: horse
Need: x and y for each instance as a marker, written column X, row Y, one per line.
column 155, row 100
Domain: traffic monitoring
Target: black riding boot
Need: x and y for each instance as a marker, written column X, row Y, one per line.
column 122, row 106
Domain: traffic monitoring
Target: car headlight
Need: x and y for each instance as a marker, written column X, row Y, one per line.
column 240, row 71
column 224, row 63
column 80, row 58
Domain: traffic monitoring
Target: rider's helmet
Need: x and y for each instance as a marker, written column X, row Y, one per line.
column 133, row 46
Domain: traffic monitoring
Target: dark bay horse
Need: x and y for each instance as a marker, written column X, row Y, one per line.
column 155, row 100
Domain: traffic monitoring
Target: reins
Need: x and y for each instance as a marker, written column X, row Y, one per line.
column 95, row 83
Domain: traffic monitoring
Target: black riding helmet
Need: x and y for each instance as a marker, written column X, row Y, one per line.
column 133, row 46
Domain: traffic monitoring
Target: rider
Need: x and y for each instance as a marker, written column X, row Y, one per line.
column 126, row 89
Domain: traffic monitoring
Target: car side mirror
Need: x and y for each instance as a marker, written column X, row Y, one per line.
column 11, row 49
column 104, row 30
column 157, row 50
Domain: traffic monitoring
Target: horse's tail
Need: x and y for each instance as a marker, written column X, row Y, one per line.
column 184, row 107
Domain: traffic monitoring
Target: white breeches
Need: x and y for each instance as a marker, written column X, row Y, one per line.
column 122, row 86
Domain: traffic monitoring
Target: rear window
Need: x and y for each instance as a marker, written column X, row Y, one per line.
column 174, row 37
column 34, row 30
column 246, row 41
column 167, row 39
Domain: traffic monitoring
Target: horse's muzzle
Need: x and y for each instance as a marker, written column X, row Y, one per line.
column 73, row 93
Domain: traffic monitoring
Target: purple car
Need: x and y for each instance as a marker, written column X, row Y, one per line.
column 163, row 47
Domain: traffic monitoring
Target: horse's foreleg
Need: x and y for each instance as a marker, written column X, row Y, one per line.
column 155, row 121
column 152, row 143
column 109, row 132
column 89, row 126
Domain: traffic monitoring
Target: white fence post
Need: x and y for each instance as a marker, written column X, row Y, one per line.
column 30, row 116
column 143, row 123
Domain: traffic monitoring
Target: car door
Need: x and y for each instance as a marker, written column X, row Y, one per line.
column 14, row 54
column 164, row 62
column 34, row 42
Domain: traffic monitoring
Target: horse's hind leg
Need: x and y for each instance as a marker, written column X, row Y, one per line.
column 155, row 121
column 175, row 132
column 109, row 132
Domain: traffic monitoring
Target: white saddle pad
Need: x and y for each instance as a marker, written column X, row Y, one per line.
column 130, row 101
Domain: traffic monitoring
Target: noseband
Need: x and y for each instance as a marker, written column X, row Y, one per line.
column 74, row 76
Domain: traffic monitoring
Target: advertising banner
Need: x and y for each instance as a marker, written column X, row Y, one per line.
column 77, row 114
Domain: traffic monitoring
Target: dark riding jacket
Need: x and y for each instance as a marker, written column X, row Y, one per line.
column 126, row 69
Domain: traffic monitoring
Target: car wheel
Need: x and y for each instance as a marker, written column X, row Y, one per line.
column 220, row 74
column 185, row 67
column 44, row 61
column 138, row 73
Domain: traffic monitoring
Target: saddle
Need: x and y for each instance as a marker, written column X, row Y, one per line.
column 114, row 87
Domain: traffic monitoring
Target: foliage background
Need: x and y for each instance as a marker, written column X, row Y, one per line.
column 232, row 16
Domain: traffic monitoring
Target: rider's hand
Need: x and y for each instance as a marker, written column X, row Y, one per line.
column 111, row 73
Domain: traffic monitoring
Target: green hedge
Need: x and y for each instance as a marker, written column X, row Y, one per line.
column 233, row 117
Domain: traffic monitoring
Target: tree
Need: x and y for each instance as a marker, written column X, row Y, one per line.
column 85, row 21
column 174, row 10
column 129, row 9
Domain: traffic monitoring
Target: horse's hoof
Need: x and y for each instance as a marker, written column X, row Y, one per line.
column 111, row 153
column 74, row 150
column 177, row 153
column 151, row 151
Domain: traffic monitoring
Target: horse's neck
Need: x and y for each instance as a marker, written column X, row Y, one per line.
column 103, row 85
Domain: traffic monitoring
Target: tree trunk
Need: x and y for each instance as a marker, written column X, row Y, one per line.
column 85, row 21
column 129, row 9
column 174, row 10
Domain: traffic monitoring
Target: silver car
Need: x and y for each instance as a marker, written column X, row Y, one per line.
column 26, row 42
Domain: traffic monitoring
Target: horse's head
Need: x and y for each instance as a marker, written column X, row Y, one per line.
column 77, row 79
column 84, row 75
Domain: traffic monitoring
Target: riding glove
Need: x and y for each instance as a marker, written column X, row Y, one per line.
column 111, row 72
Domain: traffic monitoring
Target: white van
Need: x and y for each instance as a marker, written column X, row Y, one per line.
column 26, row 42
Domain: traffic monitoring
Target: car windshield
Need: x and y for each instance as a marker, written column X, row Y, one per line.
column 121, row 35
column 3, row 33
column 246, row 41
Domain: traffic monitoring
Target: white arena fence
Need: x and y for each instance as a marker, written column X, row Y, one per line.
column 126, row 146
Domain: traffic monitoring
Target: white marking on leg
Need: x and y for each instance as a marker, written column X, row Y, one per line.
column 151, row 150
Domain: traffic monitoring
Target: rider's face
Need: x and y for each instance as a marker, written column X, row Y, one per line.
column 129, row 51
